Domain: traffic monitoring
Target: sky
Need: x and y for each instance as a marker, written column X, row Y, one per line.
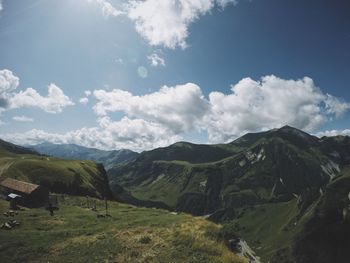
column 133, row 74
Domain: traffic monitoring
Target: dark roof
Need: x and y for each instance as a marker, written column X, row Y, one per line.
column 19, row 186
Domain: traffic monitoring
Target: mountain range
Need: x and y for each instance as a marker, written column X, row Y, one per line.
column 77, row 152
column 286, row 192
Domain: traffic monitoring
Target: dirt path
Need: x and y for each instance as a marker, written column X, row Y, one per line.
column 5, row 166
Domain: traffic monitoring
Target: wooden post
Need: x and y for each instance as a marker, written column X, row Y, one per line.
column 12, row 204
column 106, row 205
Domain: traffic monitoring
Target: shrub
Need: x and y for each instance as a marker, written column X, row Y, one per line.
column 145, row 240
column 229, row 231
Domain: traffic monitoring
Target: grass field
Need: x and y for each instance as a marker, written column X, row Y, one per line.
column 130, row 234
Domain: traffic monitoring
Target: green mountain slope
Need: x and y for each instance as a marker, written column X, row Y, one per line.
column 76, row 152
column 61, row 176
column 129, row 234
column 271, row 185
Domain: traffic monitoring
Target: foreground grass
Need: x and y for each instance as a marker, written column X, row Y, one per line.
column 76, row 234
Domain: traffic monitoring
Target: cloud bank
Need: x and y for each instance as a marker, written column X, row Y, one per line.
column 345, row 132
column 135, row 134
column 163, row 117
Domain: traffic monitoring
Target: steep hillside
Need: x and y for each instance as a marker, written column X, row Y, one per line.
column 270, row 184
column 76, row 234
column 76, row 152
column 61, row 176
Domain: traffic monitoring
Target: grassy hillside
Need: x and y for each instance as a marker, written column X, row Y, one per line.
column 61, row 176
column 138, row 235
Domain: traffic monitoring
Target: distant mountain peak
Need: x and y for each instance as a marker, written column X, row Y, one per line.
column 289, row 128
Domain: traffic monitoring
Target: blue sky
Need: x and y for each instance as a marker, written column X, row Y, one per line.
column 199, row 50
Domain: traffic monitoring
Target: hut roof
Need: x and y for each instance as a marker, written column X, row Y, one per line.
column 19, row 186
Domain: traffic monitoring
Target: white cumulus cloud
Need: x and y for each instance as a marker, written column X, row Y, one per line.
column 166, row 22
column 269, row 103
column 180, row 108
column 155, row 60
column 8, row 84
column 54, row 102
column 8, row 81
column 84, row 100
column 162, row 22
